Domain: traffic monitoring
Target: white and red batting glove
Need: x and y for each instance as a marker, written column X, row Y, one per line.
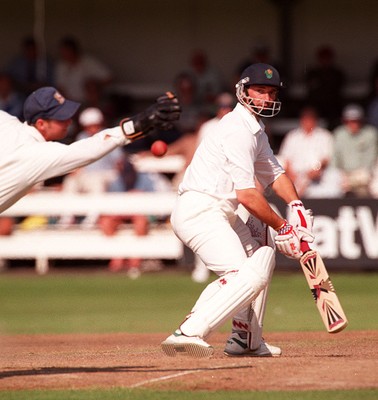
column 301, row 220
column 288, row 242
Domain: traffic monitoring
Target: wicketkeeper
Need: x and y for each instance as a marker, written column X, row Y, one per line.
column 29, row 153
column 222, row 177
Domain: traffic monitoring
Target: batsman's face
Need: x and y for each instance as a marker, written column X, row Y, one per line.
column 262, row 95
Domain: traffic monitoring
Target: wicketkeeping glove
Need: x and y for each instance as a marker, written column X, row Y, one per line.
column 288, row 242
column 161, row 115
column 302, row 220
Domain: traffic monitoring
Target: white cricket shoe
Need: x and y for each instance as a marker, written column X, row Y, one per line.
column 237, row 346
column 193, row 346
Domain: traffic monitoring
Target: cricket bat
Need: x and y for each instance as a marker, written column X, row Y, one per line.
column 322, row 289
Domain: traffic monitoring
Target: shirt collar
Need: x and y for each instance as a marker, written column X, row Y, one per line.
column 34, row 132
column 255, row 125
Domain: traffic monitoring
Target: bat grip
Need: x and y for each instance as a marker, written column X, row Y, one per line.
column 305, row 246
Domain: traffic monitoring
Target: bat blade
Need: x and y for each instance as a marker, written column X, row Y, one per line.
column 324, row 293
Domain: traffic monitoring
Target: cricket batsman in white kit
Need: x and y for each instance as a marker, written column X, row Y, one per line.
column 30, row 152
column 222, row 177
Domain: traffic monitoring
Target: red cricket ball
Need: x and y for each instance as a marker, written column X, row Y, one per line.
column 159, row 148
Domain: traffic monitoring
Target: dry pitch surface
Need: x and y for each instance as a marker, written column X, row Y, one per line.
column 310, row 360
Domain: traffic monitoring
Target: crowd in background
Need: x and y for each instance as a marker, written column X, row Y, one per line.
column 331, row 153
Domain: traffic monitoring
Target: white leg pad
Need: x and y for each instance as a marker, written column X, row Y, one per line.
column 237, row 292
column 251, row 318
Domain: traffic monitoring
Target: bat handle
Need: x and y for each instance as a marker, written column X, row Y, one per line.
column 305, row 247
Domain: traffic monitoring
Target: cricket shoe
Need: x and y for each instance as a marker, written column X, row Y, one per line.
column 193, row 346
column 237, row 346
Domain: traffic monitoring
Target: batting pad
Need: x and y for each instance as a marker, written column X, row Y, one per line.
column 237, row 292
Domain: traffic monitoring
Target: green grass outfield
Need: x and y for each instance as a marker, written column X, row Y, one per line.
column 104, row 303
column 125, row 394
column 101, row 302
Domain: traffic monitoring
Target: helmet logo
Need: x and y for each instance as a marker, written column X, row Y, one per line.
column 269, row 73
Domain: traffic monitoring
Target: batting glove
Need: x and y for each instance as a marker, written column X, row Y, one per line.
column 288, row 242
column 161, row 115
column 302, row 220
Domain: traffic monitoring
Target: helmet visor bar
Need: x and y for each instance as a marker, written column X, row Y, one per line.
column 263, row 108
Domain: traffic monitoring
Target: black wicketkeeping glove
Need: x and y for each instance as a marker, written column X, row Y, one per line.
column 161, row 115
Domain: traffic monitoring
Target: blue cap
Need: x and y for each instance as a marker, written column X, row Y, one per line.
column 261, row 74
column 48, row 103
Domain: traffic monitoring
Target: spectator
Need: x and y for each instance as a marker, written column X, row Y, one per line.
column 372, row 106
column 102, row 175
column 112, row 173
column 208, row 80
column 373, row 186
column 355, row 151
column 136, row 182
column 95, row 96
column 75, row 68
column 325, row 82
column 373, row 76
column 192, row 111
column 6, row 226
column 11, row 100
column 260, row 53
column 305, row 154
column 31, row 69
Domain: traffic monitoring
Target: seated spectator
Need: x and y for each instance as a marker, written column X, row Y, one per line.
column 355, row 151
column 134, row 182
column 191, row 109
column 11, row 100
column 259, row 53
column 325, row 83
column 112, row 173
column 31, row 69
column 100, row 176
column 305, row 153
column 74, row 68
column 208, row 80
column 6, row 226
column 372, row 106
column 373, row 186
column 95, row 96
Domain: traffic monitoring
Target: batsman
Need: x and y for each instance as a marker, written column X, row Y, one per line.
column 222, row 215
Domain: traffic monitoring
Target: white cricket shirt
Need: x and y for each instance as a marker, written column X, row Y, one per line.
column 231, row 157
column 27, row 159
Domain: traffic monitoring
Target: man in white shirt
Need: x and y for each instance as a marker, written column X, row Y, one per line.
column 221, row 177
column 75, row 68
column 29, row 153
column 306, row 153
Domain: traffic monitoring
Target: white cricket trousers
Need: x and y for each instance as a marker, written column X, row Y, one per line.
column 211, row 228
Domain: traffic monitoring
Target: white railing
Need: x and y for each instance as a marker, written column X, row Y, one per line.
column 51, row 241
